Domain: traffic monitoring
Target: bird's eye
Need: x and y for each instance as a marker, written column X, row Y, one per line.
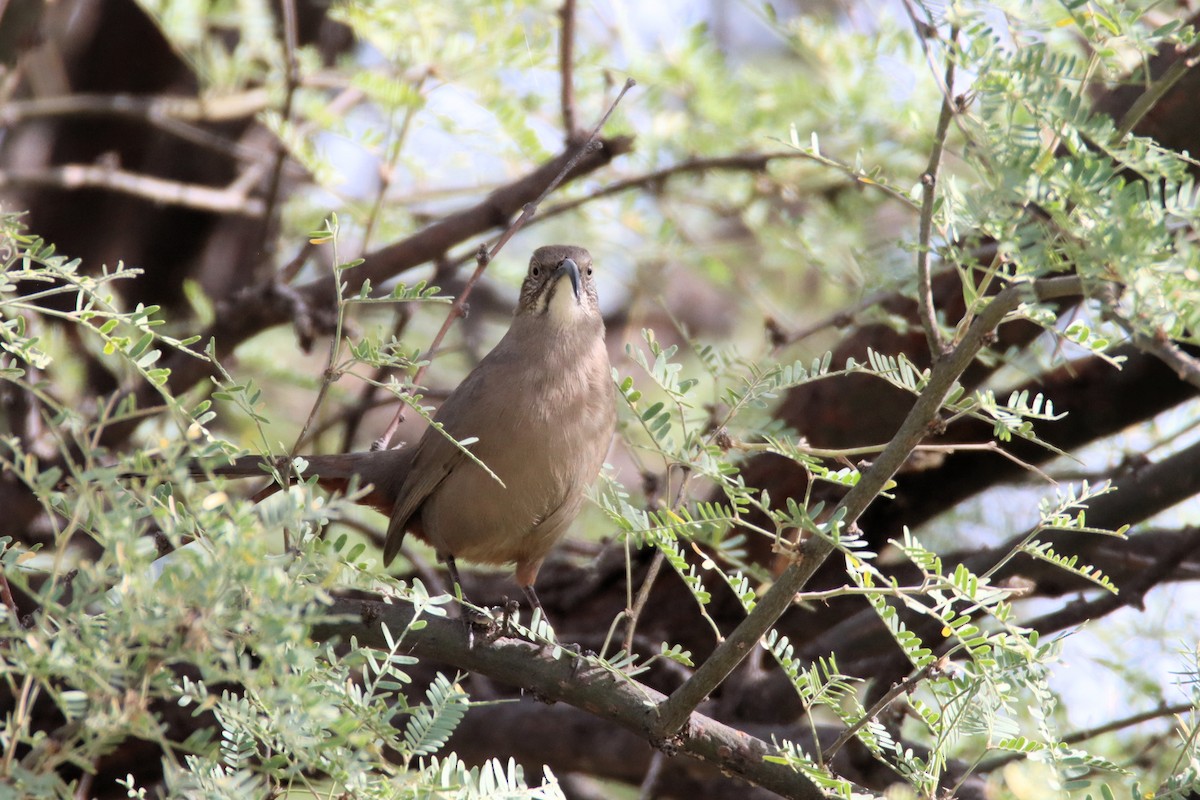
column 535, row 272
column 589, row 272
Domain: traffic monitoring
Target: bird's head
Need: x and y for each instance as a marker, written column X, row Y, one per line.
column 559, row 285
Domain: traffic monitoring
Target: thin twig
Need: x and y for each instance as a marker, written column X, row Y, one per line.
column 926, row 30
column 1153, row 94
column 1186, row 367
column 904, row 687
column 387, row 169
column 1092, row 733
column 368, row 398
column 7, row 596
column 485, row 256
column 750, row 162
column 328, row 377
column 844, row 318
column 925, row 309
column 267, row 240
column 648, row 789
column 566, row 66
column 639, row 605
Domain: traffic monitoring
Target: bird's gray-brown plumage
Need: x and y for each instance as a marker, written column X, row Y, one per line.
column 541, row 408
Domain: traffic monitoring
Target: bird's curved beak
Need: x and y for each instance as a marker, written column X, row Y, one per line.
column 569, row 268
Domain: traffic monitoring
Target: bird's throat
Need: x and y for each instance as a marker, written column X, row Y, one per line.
column 563, row 308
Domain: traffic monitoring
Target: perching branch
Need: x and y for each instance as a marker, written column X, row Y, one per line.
column 570, row 679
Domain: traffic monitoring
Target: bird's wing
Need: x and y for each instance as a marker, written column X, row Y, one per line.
column 435, row 458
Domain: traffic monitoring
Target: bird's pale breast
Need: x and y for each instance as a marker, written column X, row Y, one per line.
column 546, row 441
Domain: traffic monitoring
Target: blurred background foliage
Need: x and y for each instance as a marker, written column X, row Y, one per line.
column 181, row 179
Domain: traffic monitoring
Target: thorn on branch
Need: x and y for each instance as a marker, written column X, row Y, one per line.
column 669, row 747
column 926, row 31
column 1018, row 586
column 775, row 333
column 482, row 256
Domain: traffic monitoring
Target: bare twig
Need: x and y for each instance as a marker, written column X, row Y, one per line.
column 159, row 190
column 781, row 338
column 1091, row 733
column 566, row 66
column 173, row 114
column 152, row 109
column 267, row 242
column 387, row 169
column 649, row 788
column 925, row 309
column 639, row 605
column 485, row 257
column 1154, row 93
column 904, row 687
column 750, row 162
column 1161, row 347
column 6, row 596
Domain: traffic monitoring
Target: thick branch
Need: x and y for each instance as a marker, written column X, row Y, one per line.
column 267, row 305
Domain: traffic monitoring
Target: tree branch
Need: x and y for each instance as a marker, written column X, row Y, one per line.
column 573, row 680
column 566, row 67
column 159, row 190
column 925, row 309
column 942, row 377
column 221, row 108
column 266, row 305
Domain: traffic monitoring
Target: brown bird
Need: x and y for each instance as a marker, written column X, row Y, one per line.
column 541, row 407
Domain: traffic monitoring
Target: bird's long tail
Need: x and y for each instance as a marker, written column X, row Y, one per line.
column 383, row 471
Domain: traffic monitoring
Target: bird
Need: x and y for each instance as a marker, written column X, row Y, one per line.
column 540, row 412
